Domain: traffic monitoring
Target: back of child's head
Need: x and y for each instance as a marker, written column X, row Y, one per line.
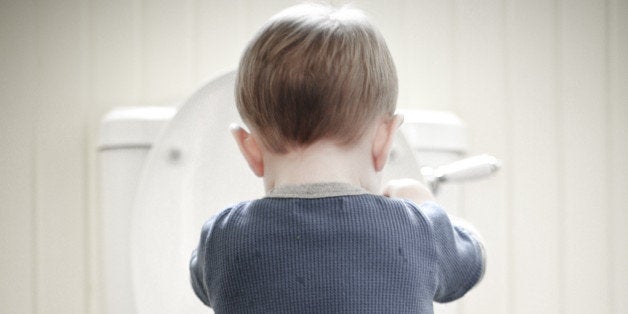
column 314, row 72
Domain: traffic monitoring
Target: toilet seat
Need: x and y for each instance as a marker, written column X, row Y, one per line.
column 179, row 173
column 193, row 171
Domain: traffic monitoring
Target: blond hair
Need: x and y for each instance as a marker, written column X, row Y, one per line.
column 315, row 72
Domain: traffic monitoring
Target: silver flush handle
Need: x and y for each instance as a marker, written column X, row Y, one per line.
column 471, row 168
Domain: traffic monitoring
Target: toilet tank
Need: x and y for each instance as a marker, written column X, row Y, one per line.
column 126, row 136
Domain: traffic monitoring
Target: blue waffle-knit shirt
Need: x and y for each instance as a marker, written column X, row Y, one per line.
column 333, row 248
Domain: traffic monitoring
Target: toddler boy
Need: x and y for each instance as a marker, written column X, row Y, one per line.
column 317, row 88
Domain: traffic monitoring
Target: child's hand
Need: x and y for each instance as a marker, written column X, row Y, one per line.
column 409, row 189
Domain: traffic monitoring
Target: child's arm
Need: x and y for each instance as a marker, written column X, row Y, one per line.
column 198, row 264
column 460, row 252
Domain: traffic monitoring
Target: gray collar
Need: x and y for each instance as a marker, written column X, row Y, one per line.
column 316, row 190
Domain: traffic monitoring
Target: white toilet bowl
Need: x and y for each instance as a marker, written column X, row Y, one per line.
column 154, row 205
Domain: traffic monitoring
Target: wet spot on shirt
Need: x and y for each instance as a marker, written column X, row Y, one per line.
column 301, row 280
column 402, row 254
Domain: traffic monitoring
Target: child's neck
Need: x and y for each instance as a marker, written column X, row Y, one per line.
column 323, row 161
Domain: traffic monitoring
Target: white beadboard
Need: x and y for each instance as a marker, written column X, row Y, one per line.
column 541, row 84
column 617, row 63
column 535, row 218
column 60, row 176
column 166, row 52
column 583, row 130
column 18, row 67
column 426, row 44
column 214, row 50
column 480, row 100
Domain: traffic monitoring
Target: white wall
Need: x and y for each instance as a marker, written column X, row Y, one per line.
column 542, row 85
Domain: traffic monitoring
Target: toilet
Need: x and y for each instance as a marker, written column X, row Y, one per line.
column 165, row 170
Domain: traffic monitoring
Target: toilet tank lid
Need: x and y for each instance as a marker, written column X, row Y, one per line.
column 126, row 127
column 425, row 130
column 431, row 130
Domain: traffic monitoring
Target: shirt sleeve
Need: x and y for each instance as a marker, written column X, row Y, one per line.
column 459, row 252
column 198, row 264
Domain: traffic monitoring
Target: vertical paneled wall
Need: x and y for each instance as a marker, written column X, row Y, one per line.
column 617, row 139
column 582, row 102
column 541, row 84
column 480, row 88
column 535, row 228
column 17, row 159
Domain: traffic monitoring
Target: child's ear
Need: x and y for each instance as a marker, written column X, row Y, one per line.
column 384, row 137
column 249, row 148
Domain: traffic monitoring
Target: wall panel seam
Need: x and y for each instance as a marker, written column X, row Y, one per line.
column 509, row 158
column 88, row 223
column 608, row 131
column 560, row 171
column 35, row 215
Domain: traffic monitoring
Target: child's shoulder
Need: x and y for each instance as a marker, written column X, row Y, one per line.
column 224, row 214
column 430, row 212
